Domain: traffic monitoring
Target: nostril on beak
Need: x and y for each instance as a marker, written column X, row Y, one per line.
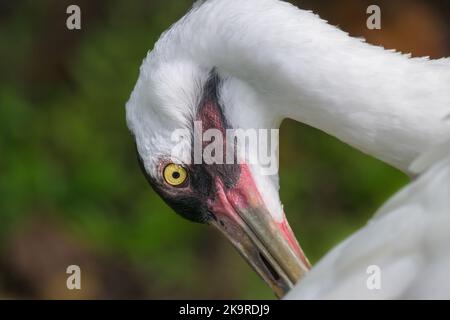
column 269, row 267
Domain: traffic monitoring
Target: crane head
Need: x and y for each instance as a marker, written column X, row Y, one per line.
column 180, row 103
column 235, row 198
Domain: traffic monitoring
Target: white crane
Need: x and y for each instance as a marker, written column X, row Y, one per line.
column 242, row 64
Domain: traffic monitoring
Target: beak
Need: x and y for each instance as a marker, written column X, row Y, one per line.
column 269, row 246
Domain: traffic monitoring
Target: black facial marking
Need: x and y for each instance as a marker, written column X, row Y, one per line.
column 187, row 203
column 191, row 201
column 210, row 113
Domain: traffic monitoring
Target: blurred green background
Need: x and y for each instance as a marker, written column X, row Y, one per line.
column 70, row 188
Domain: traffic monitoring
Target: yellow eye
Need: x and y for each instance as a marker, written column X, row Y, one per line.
column 175, row 175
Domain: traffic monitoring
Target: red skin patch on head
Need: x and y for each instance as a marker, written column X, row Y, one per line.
column 240, row 194
column 211, row 117
column 221, row 205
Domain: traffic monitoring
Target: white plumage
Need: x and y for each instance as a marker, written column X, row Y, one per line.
column 408, row 240
column 278, row 62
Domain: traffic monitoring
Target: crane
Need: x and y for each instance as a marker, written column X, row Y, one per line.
column 248, row 65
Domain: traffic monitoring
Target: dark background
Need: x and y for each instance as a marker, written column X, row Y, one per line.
column 70, row 188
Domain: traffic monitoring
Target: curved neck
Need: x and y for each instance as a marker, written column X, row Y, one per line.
column 383, row 103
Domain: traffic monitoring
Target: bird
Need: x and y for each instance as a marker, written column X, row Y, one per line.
column 249, row 65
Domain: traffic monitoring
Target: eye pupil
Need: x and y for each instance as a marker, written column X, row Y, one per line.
column 176, row 175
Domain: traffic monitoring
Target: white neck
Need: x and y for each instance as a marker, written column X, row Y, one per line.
column 385, row 104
